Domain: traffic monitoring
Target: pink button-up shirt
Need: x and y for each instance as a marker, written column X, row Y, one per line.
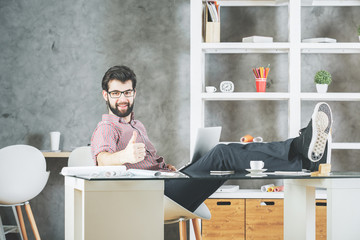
column 113, row 134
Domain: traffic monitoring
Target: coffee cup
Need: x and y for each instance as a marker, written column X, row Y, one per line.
column 55, row 141
column 256, row 165
column 210, row 89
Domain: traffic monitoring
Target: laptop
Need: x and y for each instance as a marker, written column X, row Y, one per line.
column 206, row 139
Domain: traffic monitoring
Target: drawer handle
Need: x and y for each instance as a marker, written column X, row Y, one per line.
column 267, row 203
column 322, row 204
column 223, row 203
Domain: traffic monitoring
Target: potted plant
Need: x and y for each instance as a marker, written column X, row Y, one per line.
column 322, row 79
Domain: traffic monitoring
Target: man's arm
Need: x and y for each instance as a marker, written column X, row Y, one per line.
column 133, row 153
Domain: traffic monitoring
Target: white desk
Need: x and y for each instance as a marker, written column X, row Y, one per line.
column 114, row 209
column 343, row 208
column 133, row 209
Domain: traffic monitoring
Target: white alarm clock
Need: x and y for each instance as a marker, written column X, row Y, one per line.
column 226, row 86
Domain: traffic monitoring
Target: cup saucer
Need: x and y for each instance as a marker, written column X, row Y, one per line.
column 256, row 175
column 256, row 171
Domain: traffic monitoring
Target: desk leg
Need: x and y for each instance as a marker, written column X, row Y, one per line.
column 299, row 211
column 69, row 209
column 343, row 213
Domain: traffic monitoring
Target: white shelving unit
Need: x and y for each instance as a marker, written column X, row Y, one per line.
column 294, row 49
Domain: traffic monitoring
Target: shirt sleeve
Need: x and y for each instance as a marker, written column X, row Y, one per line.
column 104, row 139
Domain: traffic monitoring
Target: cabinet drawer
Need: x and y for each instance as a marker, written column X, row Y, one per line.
column 264, row 219
column 320, row 219
column 227, row 219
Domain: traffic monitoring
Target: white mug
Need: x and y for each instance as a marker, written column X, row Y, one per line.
column 55, row 141
column 210, row 89
column 256, row 164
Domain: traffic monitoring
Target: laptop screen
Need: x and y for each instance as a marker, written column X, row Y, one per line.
column 206, row 139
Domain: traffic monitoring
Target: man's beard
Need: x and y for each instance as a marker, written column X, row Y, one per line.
column 118, row 113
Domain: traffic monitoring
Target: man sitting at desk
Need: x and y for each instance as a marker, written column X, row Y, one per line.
column 119, row 139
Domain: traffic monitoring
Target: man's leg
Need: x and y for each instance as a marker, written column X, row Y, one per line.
column 238, row 156
column 190, row 193
column 287, row 155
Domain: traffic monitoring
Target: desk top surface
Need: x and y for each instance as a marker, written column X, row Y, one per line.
column 234, row 176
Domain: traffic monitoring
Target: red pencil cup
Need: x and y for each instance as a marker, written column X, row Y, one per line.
column 260, row 84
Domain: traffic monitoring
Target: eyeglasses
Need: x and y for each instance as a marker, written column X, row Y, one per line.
column 117, row 94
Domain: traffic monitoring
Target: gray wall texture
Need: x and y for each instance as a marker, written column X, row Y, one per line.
column 53, row 55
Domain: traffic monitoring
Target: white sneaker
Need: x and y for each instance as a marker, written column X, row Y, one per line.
column 321, row 125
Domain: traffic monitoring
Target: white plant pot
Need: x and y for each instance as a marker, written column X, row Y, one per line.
column 322, row 88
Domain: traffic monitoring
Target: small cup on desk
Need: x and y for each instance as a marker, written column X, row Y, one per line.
column 210, row 89
column 55, row 141
column 256, row 165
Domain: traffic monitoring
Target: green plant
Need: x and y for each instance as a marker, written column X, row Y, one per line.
column 322, row 77
column 359, row 30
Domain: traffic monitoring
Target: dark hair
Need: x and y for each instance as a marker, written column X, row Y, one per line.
column 121, row 73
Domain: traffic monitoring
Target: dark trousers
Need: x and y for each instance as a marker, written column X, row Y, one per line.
column 190, row 193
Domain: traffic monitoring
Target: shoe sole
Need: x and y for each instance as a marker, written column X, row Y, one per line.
column 321, row 125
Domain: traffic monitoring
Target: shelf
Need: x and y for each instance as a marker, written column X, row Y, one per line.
column 56, row 154
column 253, row 3
column 344, row 145
column 292, row 46
column 238, row 47
column 330, row 96
column 256, row 193
column 219, row 96
column 353, row 47
column 244, row 96
column 276, row 3
column 279, row 47
column 334, row 145
column 330, row 3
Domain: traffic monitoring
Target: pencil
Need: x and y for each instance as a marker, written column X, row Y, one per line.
column 255, row 73
column 267, row 72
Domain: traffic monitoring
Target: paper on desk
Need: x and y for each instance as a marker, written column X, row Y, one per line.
column 152, row 173
column 289, row 173
column 115, row 172
column 94, row 171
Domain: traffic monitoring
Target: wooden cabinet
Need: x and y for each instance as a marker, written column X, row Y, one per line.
column 227, row 219
column 253, row 219
column 264, row 219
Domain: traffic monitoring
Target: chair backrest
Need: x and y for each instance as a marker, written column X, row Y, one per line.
column 22, row 173
column 81, row 156
column 173, row 211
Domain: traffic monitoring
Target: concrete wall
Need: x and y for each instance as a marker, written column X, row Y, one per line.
column 53, row 55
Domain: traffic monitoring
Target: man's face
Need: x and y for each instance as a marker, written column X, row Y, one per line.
column 123, row 105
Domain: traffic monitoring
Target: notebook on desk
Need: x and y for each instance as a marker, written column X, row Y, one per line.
column 206, row 139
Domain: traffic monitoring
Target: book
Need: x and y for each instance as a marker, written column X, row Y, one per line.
column 222, row 172
column 319, row 40
column 257, row 39
column 213, row 10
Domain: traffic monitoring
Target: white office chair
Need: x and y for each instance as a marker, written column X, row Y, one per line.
column 173, row 212
column 81, row 157
column 22, row 177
